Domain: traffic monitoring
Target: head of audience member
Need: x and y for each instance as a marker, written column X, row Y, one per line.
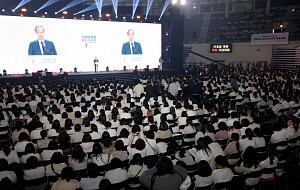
column 67, row 173
column 32, row 162
column 116, row 163
column 105, row 185
column 119, row 145
column 57, row 158
column 140, row 144
column 203, row 169
column 53, row 145
column 77, row 128
column 86, row 138
column 164, row 166
column 250, row 158
column 29, row 149
column 137, row 159
column 3, row 164
column 221, row 162
column 23, row 137
column 78, row 154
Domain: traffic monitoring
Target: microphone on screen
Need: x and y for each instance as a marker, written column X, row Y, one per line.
column 47, row 51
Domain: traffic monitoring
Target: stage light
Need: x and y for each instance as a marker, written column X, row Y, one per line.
column 26, row 71
column 46, row 13
column 43, row 16
column 194, row 7
column 99, row 19
column 281, row 26
column 107, row 15
column 109, row 19
column 13, row 10
column 138, row 16
column 35, row 12
column 174, row 2
column 21, row 14
column 63, row 17
column 83, row 15
column 116, row 16
column 182, row 2
column 167, row 34
column 3, row 10
column 132, row 18
column 107, row 68
column 82, row 18
column 4, row 72
column 141, row 21
column 65, row 12
column 124, row 17
column 91, row 16
column 56, row 13
column 145, row 18
column 74, row 17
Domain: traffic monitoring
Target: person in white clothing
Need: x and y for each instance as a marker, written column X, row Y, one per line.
column 222, row 174
column 203, row 176
column 248, row 141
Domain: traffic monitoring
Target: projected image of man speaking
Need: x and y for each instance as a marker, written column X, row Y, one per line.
column 131, row 47
column 41, row 46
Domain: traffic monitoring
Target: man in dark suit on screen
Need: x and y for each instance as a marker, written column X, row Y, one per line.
column 131, row 47
column 41, row 46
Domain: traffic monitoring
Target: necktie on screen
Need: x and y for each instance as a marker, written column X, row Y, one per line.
column 43, row 47
column 132, row 47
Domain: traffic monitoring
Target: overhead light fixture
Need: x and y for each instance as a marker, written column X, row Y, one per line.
column 107, row 15
column 182, row 2
column 138, row 16
column 24, row 10
column 91, row 16
column 46, row 13
column 65, row 12
column 174, row 2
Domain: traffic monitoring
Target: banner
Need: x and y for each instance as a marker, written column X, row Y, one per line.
column 270, row 38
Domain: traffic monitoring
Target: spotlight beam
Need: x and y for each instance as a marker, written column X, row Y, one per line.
column 23, row 2
column 92, row 7
column 149, row 4
column 167, row 2
column 99, row 4
column 72, row 4
column 135, row 4
column 115, row 4
column 48, row 3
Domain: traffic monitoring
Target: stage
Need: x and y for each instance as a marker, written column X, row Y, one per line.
column 128, row 76
column 121, row 76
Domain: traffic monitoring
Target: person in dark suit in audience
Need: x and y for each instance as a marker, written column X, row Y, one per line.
column 131, row 47
column 41, row 46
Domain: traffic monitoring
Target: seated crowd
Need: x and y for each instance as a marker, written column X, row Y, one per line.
column 164, row 132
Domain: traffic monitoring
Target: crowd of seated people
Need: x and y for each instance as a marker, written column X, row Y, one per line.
column 238, row 27
column 169, row 131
